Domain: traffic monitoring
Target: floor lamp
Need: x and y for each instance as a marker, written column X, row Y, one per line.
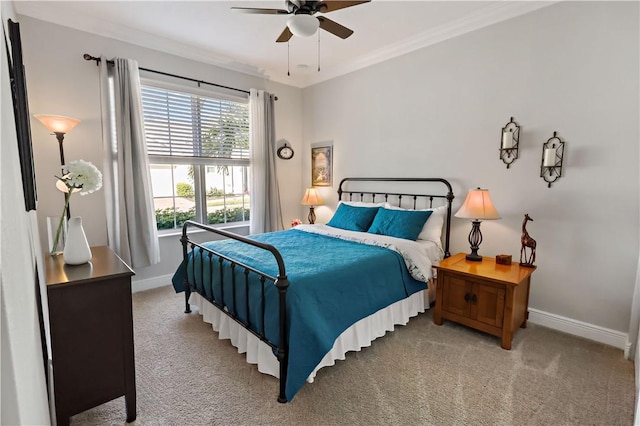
column 59, row 126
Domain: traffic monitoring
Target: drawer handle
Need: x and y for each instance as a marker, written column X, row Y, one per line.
column 467, row 296
column 474, row 299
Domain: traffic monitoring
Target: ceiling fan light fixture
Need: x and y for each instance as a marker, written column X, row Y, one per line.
column 303, row 25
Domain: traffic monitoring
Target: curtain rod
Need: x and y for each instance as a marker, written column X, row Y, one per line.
column 88, row 57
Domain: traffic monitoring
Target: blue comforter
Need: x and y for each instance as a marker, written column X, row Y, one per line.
column 333, row 284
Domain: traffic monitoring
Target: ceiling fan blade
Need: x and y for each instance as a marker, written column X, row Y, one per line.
column 285, row 36
column 334, row 28
column 330, row 6
column 261, row 11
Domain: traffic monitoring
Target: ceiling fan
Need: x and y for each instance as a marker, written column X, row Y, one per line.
column 302, row 23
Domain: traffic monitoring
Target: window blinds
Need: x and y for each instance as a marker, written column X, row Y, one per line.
column 184, row 128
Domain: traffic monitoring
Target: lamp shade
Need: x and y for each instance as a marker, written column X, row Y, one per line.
column 303, row 25
column 478, row 205
column 311, row 198
column 57, row 123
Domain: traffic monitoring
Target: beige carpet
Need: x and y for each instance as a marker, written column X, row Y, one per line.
column 421, row 374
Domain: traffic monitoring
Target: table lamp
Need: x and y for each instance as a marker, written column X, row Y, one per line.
column 477, row 206
column 311, row 198
column 58, row 125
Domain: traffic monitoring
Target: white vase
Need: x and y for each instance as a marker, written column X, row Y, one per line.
column 76, row 249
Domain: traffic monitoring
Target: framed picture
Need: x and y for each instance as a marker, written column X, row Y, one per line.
column 322, row 164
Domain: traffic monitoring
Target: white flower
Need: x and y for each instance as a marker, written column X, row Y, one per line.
column 83, row 175
column 77, row 176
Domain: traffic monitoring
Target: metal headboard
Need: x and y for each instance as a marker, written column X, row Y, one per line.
column 383, row 196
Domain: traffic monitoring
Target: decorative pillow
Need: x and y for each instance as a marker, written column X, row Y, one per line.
column 432, row 229
column 405, row 224
column 353, row 218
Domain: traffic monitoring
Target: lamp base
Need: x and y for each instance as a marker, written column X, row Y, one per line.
column 474, row 257
column 312, row 216
column 475, row 238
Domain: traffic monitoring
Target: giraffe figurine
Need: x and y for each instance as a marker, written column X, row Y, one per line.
column 527, row 241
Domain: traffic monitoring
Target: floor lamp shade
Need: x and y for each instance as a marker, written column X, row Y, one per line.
column 477, row 206
column 57, row 123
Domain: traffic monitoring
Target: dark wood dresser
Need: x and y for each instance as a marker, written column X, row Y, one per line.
column 91, row 324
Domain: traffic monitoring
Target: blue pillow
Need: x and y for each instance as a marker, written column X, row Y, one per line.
column 353, row 218
column 405, row 224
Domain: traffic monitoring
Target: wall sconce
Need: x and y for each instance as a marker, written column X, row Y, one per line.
column 59, row 125
column 477, row 206
column 552, row 155
column 311, row 198
column 509, row 142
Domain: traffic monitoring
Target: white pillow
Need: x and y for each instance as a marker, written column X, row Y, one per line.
column 432, row 229
column 362, row 204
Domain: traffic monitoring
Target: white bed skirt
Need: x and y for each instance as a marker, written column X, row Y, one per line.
column 356, row 337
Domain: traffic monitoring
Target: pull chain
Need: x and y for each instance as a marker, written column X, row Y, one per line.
column 288, row 60
column 318, row 51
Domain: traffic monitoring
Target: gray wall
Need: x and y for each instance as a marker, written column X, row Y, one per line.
column 572, row 68
column 61, row 82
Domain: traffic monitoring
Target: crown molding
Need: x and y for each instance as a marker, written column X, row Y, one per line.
column 484, row 17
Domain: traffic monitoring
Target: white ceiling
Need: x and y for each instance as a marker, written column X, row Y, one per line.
column 210, row 32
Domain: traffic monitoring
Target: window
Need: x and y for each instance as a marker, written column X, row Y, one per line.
column 198, row 149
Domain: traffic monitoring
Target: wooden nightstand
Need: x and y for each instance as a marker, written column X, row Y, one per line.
column 91, row 323
column 483, row 295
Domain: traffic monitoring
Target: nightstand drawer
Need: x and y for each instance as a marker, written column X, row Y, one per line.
column 489, row 308
column 455, row 295
column 473, row 300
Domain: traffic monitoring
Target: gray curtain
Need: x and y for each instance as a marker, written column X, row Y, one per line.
column 266, row 215
column 131, row 222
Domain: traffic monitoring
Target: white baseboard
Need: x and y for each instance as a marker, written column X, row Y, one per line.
column 627, row 348
column 607, row 336
column 149, row 283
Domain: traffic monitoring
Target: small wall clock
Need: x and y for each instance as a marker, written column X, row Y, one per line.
column 285, row 152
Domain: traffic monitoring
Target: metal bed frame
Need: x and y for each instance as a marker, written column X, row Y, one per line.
column 280, row 281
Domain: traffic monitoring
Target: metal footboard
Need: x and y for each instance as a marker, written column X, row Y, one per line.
column 280, row 281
